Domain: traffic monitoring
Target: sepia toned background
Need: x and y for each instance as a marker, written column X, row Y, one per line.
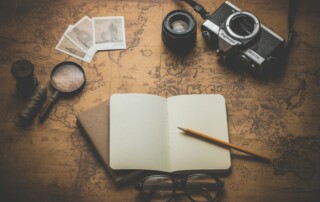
column 53, row 161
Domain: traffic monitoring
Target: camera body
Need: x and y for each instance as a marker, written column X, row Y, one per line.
column 241, row 40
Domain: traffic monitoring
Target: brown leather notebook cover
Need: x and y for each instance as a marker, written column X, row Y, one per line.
column 95, row 123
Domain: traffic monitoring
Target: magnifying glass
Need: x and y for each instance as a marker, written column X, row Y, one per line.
column 66, row 78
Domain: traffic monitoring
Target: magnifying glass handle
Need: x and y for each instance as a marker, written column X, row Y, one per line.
column 45, row 111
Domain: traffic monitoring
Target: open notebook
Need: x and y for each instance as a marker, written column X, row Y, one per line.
column 144, row 133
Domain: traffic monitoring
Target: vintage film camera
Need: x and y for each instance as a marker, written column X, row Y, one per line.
column 241, row 40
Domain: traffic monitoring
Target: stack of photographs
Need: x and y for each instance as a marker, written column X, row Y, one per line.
column 88, row 36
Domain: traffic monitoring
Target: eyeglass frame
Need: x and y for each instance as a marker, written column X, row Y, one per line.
column 180, row 183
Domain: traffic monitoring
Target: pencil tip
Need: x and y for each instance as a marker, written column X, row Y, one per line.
column 182, row 129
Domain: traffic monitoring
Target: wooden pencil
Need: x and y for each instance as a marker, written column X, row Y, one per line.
column 223, row 143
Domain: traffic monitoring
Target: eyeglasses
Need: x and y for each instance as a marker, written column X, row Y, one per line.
column 198, row 187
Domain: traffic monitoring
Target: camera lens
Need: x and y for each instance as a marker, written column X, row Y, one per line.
column 179, row 26
column 242, row 25
column 179, row 31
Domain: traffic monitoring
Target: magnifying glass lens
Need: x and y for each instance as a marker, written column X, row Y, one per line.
column 67, row 78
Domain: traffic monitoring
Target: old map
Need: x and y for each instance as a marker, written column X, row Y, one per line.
column 279, row 118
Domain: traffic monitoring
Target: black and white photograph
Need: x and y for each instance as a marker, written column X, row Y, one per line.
column 68, row 47
column 108, row 33
column 81, row 34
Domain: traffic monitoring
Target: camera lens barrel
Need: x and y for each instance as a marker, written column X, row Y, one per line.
column 179, row 31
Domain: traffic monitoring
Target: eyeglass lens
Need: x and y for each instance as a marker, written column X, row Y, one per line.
column 202, row 188
column 159, row 188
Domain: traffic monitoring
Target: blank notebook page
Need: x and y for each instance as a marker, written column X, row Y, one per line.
column 205, row 114
column 138, row 129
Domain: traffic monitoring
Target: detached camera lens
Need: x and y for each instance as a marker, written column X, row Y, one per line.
column 179, row 31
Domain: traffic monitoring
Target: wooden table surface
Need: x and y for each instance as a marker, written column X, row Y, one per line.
column 279, row 118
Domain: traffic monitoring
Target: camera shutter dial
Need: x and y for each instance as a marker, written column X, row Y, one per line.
column 244, row 60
